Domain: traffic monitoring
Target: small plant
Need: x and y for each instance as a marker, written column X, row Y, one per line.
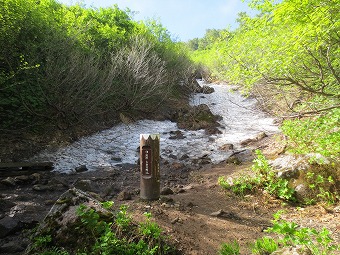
column 320, row 184
column 123, row 220
column 319, row 242
column 230, row 249
column 263, row 177
column 106, row 232
column 265, row 245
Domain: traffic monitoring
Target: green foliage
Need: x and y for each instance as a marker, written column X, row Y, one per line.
column 58, row 65
column 288, row 234
column 319, row 242
column 230, row 249
column 323, row 187
column 263, row 176
column 263, row 246
column 291, row 47
column 315, row 135
column 104, row 236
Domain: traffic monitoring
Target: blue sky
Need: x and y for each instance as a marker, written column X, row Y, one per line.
column 185, row 19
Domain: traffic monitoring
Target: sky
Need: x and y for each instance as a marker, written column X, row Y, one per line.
column 184, row 19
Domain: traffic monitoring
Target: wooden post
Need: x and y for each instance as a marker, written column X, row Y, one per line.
column 149, row 167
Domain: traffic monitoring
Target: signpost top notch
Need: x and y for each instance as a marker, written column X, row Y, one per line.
column 147, row 136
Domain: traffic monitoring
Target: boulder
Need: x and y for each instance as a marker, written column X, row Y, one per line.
column 8, row 225
column 65, row 222
column 166, row 191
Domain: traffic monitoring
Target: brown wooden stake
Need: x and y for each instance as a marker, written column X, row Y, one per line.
column 149, row 167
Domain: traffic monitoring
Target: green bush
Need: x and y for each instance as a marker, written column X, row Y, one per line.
column 315, row 135
column 262, row 177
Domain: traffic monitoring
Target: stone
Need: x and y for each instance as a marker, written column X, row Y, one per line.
column 207, row 90
column 288, row 174
column 9, row 181
column 177, row 135
column 166, row 191
column 303, row 192
column 217, row 213
column 184, row 157
column 13, row 247
column 63, row 217
column 41, row 187
column 8, row 225
column 84, row 185
column 212, row 131
column 81, row 168
column 124, row 195
column 260, row 136
column 233, row 160
column 226, row 147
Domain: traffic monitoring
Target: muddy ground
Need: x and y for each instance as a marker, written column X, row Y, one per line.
column 198, row 217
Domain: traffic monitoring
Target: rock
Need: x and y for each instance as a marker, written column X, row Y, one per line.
column 124, row 195
column 172, row 156
column 212, row 131
column 9, row 181
column 198, row 117
column 84, row 185
column 260, row 136
column 207, row 90
column 303, row 193
column 184, row 157
column 217, row 214
column 81, row 168
column 177, row 135
column 166, row 191
column 246, row 142
column 13, row 247
column 64, row 219
column 177, row 165
column 177, row 219
column 8, row 225
column 288, row 174
column 298, row 250
column 41, row 187
column 233, row 160
column 23, row 179
column 226, row 147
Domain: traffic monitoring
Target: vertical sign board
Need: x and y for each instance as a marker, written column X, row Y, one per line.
column 149, row 167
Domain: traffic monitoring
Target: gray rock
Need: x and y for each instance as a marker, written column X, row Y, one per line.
column 303, row 192
column 207, row 90
column 41, row 187
column 166, row 191
column 81, row 168
column 124, row 195
column 227, row 147
column 217, row 214
column 9, row 181
column 8, row 225
column 12, row 247
column 85, row 185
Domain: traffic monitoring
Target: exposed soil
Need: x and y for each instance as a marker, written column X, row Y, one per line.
column 198, row 217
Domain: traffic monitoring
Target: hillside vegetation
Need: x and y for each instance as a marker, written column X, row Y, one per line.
column 288, row 56
column 64, row 67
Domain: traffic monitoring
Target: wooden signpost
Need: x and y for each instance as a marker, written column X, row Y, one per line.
column 149, row 167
